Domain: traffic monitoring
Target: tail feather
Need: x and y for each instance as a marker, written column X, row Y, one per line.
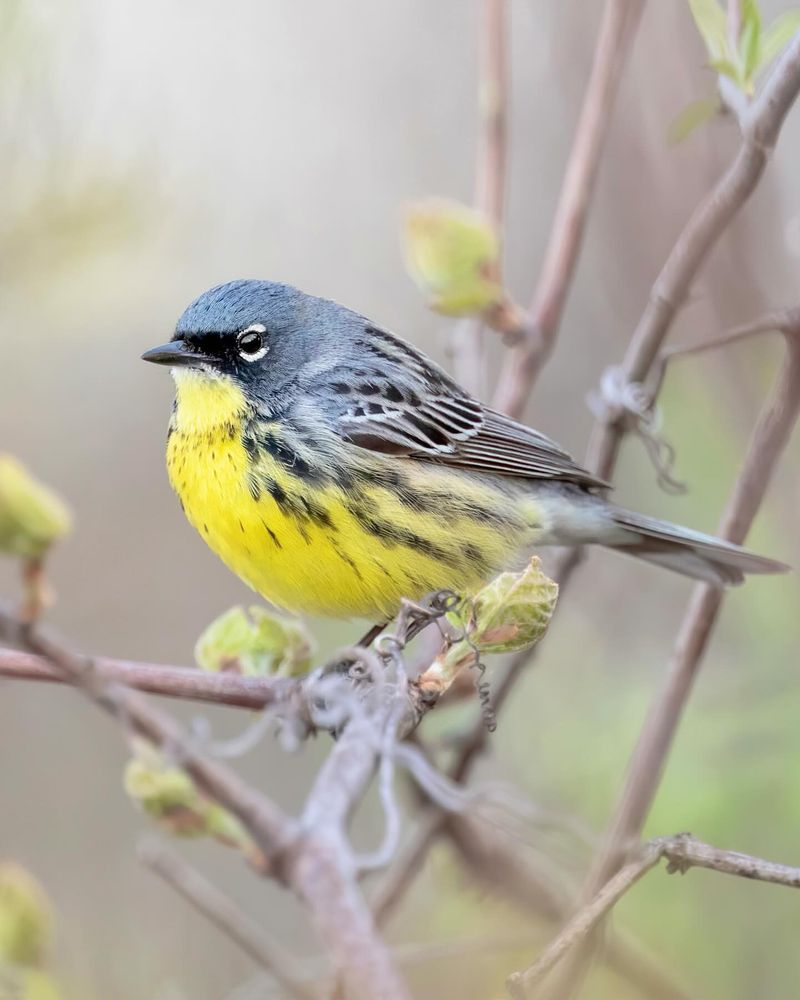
column 692, row 553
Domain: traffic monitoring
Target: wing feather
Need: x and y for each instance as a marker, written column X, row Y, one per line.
column 405, row 405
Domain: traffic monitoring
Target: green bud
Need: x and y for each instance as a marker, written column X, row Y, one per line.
column 32, row 517
column 513, row 611
column 261, row 645
column 24, row 917
column 452, row 253
column 169, row 795
column 508, row 614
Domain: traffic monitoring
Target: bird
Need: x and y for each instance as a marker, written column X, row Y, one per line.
column 337, row 470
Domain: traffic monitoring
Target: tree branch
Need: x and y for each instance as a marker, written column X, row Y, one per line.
column 270, row 827
column 523, row 363
column 467, row 341
column 497, row 861
column 681, row 852
column 187, row 683
column 225, row 914
column 760, row 130
column 769, row 440
column 311, row 862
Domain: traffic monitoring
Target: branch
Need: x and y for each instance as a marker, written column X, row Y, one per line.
column 156, row 678
column 270, row 827
column 311, row 862
column 496, row 860
column 583, row 921
column 523, row 364
column 336, row 905
column 681, row 852
column 769, row 439
column 760, row 130
column 224, row 913
column 466, row 342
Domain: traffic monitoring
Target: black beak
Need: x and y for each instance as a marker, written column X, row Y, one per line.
column 176, row 354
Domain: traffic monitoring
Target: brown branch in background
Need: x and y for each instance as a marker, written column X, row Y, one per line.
column 760, row 130
column 311, row 862
column 769, row 440
column 583, row 921
column 619, row 21
column 187, row 683
column 493, row 100
column 225, row 914
column 523, row 363
column 760, row 133
column 491, row 856
column 772, row 322
column 270, row 827
column 467, row 340
column 681, row 853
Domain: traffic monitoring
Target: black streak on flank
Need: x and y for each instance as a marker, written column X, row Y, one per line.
column 271, row 534
column 394, row 534
column 474, row 556
column 299, row 508
column 350, row 562
column 288, row 458
column 317, row 513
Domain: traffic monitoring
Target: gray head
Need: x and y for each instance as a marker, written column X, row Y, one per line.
column 261, row 334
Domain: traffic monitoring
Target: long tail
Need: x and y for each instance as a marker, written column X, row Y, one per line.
column 691, row 553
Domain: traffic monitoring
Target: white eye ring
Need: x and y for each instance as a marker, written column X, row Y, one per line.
column 256, row 355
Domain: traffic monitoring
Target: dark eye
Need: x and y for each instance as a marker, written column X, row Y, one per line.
column 251, row 343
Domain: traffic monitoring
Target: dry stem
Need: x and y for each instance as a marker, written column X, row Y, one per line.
column 467, row 340
column 187, row 683
column 681, row 852
column 222, row 911
column 768, row 442
column 524, row 362
column 314, row 863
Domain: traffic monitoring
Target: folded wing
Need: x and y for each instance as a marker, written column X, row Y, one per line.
column 400, row 403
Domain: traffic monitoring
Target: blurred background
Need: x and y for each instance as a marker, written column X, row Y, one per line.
column 152, row 150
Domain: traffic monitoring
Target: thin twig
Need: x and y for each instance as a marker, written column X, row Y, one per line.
column 703, row 229
column 311, row 862
column 523, row 363
column 768, row 442
column 467, row 339
column 681, row 852
column 760, row 131
column 270, row 827
column 187, row 683
column 772, row 322
column 769, row 439
column 583, row 921
column 501, row 866
column 225, row 914
column 406, row 866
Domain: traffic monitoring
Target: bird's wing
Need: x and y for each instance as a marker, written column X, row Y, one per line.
column 398, row 402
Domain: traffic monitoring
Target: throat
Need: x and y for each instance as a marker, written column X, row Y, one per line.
column 206, row 404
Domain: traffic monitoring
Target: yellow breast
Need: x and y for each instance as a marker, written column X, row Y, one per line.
column 314, row 544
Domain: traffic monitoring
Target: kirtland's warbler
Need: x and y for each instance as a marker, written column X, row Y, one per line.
column 336, row 469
